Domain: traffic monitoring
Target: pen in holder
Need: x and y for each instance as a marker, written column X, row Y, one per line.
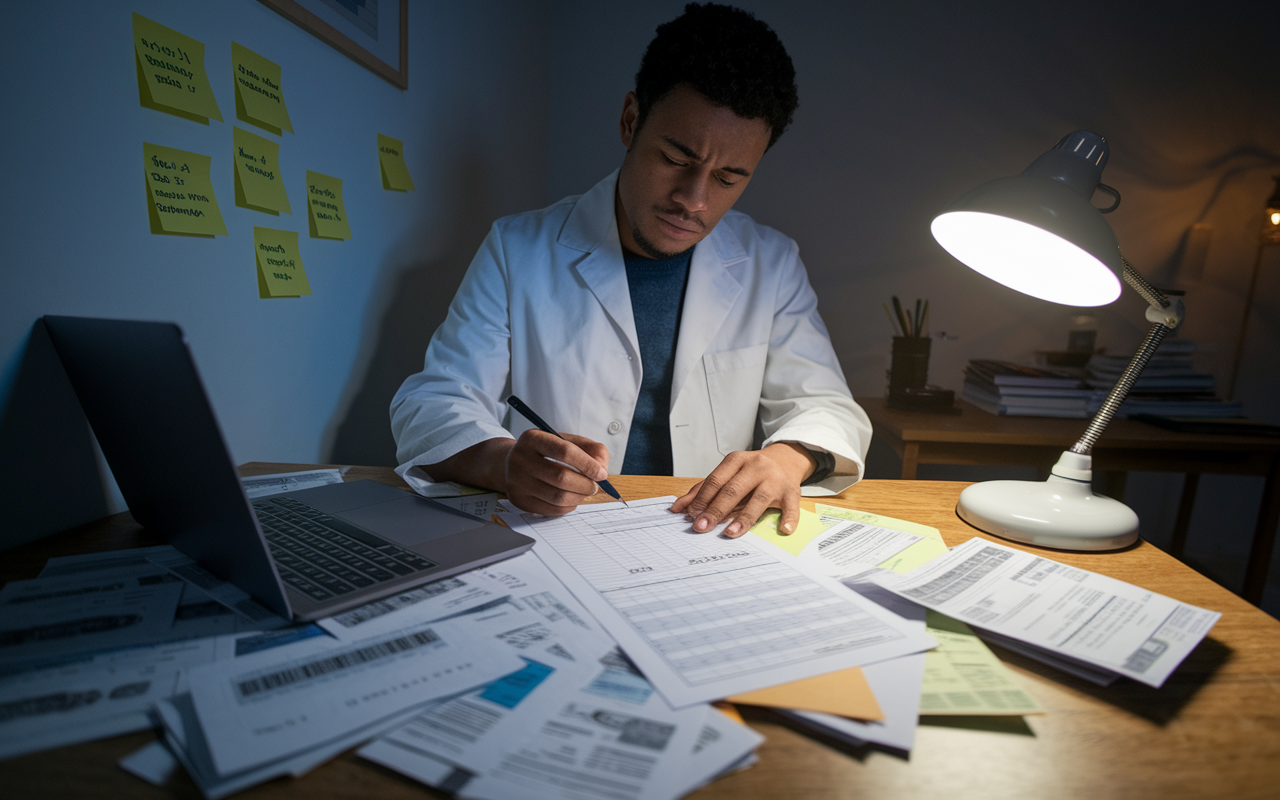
column 909, row 366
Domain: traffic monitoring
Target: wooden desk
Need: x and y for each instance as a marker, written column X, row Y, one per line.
column 1212, row 731
column 976, row 437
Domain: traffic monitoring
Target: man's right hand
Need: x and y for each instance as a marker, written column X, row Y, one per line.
column 536, row 482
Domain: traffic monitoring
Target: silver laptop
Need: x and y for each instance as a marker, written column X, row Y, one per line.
column 304, row 554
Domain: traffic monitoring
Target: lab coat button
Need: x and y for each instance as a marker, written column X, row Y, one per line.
column 615, row 426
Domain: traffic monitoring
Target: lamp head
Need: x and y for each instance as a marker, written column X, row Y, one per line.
column 1038, row 232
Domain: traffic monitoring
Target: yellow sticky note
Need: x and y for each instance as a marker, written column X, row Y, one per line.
column 325, row 207
column 845, row 693
column 810, row 527
column 180, row 195
column 280, row 271
column 171, row 74
column 922, row 552
column 257, row 173
column 395, row 175
column 963, row 677
column 259, row 98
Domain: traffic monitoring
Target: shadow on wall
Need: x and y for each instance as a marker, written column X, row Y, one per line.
column 48, row 463
column 416, row 302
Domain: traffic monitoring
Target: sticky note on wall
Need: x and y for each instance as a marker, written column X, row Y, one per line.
column 171, row 74
column 325, row 207
column 180, row 197
column 257, row 167
column 280, row 271
column 395, row 175
column 259, row 97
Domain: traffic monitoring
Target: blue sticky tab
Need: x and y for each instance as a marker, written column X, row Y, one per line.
column 509, row 690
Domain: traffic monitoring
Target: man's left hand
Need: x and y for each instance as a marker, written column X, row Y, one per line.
column 745, row 485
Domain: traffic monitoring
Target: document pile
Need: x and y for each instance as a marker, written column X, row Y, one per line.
column 90, row 645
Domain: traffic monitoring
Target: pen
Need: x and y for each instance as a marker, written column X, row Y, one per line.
column 540, row 424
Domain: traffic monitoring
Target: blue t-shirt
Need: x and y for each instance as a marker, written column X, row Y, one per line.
column 657, row 295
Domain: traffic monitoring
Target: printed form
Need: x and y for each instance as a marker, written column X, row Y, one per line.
column 705, row 617
column 1073, row 612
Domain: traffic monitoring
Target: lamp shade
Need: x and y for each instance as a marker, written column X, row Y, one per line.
column 1038, row 232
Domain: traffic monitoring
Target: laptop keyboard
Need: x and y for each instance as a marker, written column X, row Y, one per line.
column 322, row 556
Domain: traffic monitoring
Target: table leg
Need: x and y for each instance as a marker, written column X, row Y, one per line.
column 1264, row 536
column 1180, row 526
column 910, row 460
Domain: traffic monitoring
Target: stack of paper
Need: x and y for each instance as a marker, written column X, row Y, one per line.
column 578, row 721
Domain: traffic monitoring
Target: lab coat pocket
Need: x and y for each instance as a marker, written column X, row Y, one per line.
column 734, row 378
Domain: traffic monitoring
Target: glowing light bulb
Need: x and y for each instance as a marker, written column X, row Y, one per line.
column 1275, row 217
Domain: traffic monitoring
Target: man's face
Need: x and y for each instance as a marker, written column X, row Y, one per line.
column 684, row 169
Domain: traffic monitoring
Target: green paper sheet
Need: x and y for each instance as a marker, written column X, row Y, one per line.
column 280, row 271
column 395, row 175
column 259, row 185
column 179, row 193
column 325, row 207
column 963, row 677
column 259, row 98
column 171, row 72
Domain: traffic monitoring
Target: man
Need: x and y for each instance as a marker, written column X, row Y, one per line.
column 657, row 329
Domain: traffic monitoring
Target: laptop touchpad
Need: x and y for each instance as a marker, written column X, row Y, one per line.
column 410, row 521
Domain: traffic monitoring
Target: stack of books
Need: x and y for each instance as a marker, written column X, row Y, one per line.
column 1170, row 386
column 1006, row 388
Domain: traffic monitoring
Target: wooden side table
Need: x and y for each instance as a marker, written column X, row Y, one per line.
column 976, row 437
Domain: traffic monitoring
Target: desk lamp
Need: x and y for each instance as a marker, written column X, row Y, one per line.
column 1039, row 233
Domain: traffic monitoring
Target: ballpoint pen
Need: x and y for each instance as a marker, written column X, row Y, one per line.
column 528, row 413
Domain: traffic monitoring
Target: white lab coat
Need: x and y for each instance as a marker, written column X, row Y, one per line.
column 544, row 313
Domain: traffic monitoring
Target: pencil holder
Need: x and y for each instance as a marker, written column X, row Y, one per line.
column 909, row 368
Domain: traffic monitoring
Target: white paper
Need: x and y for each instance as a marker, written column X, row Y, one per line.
column 46, row 619
column 264, row 485
column 477, row 505
column 1099, row 620
column 437, row 600
column 185, row 740
column 896, row 685
column 722, row 747
column 152, row 762
column 849, row 546
column 176, row 563
column 705, row 617
column 264, row 707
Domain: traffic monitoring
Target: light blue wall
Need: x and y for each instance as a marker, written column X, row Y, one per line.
column 302, row 380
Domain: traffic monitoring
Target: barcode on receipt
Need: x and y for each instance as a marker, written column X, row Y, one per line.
column 329, row 664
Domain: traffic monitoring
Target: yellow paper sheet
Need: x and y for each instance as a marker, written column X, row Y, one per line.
column 280, row 271
column 922, row 552
column 810, row 527
column 963, row 676
column 179, row 193
column 845, row 693
column 395, row 175
column 171, row 74
column 257, row 173
column 325, row 208
column 259, row 98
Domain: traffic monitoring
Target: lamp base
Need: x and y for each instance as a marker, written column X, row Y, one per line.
column 1061, row 513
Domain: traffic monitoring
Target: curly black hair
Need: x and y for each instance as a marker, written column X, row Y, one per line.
column 727, row 55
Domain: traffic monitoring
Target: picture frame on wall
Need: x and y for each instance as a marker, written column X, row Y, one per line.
column 372, row 32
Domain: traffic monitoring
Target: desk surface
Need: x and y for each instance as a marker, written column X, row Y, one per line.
column 1212, row 731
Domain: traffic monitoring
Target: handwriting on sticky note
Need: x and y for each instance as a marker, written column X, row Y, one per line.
column 327, row 211
column 395, row 174
column 171, row 74
column 259, row 96
column 179, row 193
column 280, row 270
column 257, row 173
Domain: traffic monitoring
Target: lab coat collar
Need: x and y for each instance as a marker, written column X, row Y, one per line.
column 712, row 289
